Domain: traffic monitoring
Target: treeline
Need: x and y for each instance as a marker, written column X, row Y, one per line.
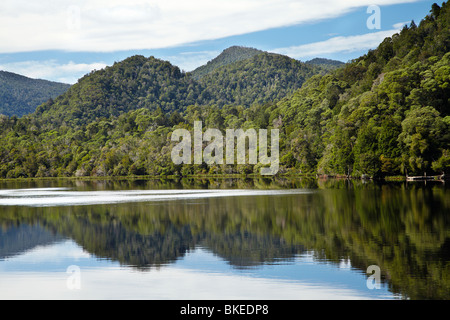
column 134, row 143
column 385, row 113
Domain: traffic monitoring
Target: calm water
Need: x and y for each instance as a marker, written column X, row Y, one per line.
column 224, row 239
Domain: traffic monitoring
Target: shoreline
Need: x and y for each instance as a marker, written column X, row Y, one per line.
column 396, row 178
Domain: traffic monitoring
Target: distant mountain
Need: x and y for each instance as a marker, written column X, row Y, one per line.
column 20, row 95
column 228, row 56
column 327, row 64
column 265, row 77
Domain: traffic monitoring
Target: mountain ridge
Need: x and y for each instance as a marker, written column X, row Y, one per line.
column 328, row 64
column 227, row 56
column 274, row 75
column 152, row 83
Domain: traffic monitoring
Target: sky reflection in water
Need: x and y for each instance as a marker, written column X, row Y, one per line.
column 41, row 273
column 176, row 242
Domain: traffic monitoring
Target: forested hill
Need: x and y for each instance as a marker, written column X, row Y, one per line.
column 327, row 64
column 20, row 95
column 385, row 113
column 151, row 83
column 136, row 82
column 265, row 77
column 228, row 56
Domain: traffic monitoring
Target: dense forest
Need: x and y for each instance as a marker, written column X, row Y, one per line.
column 266, row 77
column 326, row 64
column 21, row 95
column 385, row 113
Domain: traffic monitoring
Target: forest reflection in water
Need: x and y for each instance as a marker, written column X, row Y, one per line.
column 403, row 228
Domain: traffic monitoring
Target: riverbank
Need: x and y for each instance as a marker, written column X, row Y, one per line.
column 396, row 178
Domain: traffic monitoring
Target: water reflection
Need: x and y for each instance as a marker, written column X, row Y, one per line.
column 198, row 275
column 402, row 228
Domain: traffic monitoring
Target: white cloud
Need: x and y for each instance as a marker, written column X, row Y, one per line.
column 337, row 45
column 52, row 70
column 111, row 25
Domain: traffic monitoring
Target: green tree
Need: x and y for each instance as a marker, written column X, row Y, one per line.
column 421, row 133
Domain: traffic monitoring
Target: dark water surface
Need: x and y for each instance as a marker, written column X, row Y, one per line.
column 224, row 239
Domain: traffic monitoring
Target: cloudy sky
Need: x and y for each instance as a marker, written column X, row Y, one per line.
column 61, row 40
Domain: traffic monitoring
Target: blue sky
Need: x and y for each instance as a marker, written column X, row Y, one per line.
column 65, row 39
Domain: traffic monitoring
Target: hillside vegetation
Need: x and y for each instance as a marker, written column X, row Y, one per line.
column 153, row 84
column 327, row 64
column 385, row 113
